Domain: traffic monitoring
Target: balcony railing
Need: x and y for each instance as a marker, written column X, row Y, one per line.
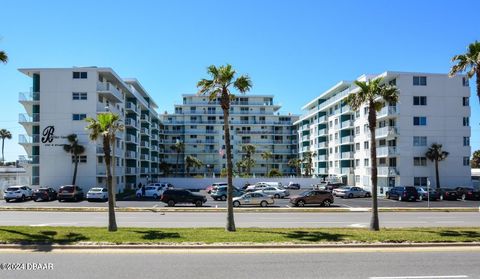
column 130, row 170
column 144, row 157
column 347, row 124
column 144, row 130
column 28, row 96
column 387, row 110
column 131, row 138
column 131, row 106
column 145, row 117
column 322, row 144
column 130, row 122
column 144, row 170
column 144, row 144
column 347, row 155
column 25, row 139
column 387, row 131
column 386, row 151
column 322, row 132
column 25, row 118
column 388, row 171
column 347, row 139
column 110, row 90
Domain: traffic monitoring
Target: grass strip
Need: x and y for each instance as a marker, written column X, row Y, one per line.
column 75, row 235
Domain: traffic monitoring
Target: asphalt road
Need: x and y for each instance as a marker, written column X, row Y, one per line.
column 265, row 220
column 359, row 263
column 339, row 202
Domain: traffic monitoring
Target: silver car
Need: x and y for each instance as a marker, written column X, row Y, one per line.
column 276, row 192
column 254, row 198
column 351, row 192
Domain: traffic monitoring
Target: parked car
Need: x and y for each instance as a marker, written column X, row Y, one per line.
column 173, row 196
column 17, row 193
column 293, row 186
column 448, row 194
column 424, row 195
column 71, row 193
column 215, row 185
column 262, row 185
column 151, row 191
column 329, row 186
column 321, row 197
column 97, row 194
column 45, row 194
column 276, row 192
column 468, row 193
column 351, row 192
column 254, row 198
column 220, row 193
column 402, row 193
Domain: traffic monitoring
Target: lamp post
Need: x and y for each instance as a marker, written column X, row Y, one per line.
column 428, row 192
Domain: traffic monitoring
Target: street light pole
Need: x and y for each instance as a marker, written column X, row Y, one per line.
column 428, row 192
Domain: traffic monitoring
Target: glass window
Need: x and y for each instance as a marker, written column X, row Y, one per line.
column 419, row 141
column 365, row 162
column 466, row 121
column 419, row 100
column 420, row 181
column 419, row 161
column 420, row 80
column 466, row 161
column 419, row 121
column 79, row 116
column 465, row 81
column 466, row 141
column 466, row 101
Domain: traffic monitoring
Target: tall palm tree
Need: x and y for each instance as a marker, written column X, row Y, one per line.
column 372, row 93
column 179, row 148
column 308, row 162
column 4, row 134
column 75, row 150
column 436, row 154
column 475, row 161
column 3, row 56
column 105, row 127
column 470, row 62
column 191, row 161
column 249, row 149
column 217, row 88
column 296, row 164
column 240, row 166
column 267, row 155
column 165, row 167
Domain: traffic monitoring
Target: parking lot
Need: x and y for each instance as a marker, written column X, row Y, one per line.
column 279, row 203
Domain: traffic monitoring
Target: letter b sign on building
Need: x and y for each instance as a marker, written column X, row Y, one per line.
column 48, row 134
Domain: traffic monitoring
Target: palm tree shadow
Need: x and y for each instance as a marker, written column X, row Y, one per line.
column 311, row 236
column 157, row 235
column 44, row 240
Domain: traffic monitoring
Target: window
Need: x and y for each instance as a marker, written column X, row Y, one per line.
column 466, row 121
column 79, row 95
column 78, row 116
column 419, row 121
column 466, row 161
column 357, row 178
column 365, row 162
column 419, row 100
column 79, row 75
column 419, row 80
column 419, row 141
column 465, row 81
column 393, row 82
column 366, row 145
column 420, row 181
column 357, row 130
column 466, row 141
column 357, row 162
column 81, row 159
column 357, row 114
column 466, row 101
column 357, row 146
column 365, row 110
column 420, row 161
column 382, row 161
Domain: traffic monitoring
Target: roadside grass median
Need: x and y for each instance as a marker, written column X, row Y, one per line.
column 26, row 235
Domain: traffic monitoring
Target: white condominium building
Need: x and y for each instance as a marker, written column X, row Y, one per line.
column 56, row 106
column 432, row 108
column 254, row 119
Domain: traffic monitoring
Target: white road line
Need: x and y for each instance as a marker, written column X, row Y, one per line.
column 421, row 277
column 358, row 225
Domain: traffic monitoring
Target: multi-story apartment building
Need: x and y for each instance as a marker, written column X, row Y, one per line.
column 56, row 106
column 254, row 119
column 432, row 108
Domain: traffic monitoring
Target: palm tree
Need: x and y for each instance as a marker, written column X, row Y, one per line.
column 308, row 161
column 191, row 161
column 475, row 162
column 436, row 154
column 240, row 166
column 178, row 147
column 249, row 149
column 368, row 94
column 296, row 164
column 470, row 61
column 165, row 167
column 106, row 126
column 3, row 56
column 75, row 150
column 267, row 155
column 217, row 88
column 4, row 134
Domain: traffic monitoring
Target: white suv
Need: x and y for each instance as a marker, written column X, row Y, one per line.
column 154, row 190
column 17, row 193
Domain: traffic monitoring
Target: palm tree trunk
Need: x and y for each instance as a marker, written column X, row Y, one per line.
column 478, row 82
column 114, row 180
column 75, row 170
column 437, row 176
column 176, row 165
column 230, row 219
column 3, row 154
column 267, row 169
column 372, row 123
column 112, row 223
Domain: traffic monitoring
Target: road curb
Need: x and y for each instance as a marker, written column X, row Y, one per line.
column 241, row 210
column 47, row 247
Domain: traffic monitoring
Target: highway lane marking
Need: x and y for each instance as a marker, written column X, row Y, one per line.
column 358, row 225
column 421, row 277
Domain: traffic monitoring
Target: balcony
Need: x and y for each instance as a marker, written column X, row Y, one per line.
column 130, row 154
column 154, row 148
column 110, row 92
column 347, row 124
column 131, row 171
column 305, row 138
column 322, row 132
column 346, row 140
column 154, row 126
column 154, row 170
column 129, row 106
column 144, row 157
column 131, row 139
column 322, row 144
column 304, row 149
column 27, row 140
column 323, row 157
column 34, row 160
column 145, row 144
column 388, row 111
column 144, row 131
column 24, row 118
column 154, row 137
column 388, row 171
column 130, row 122
column 144, row 170
column 347, row 155
column 387, row 131
column 145, row 118
column 29, row 97
column 346, row 171
column 154, row 159
column 386, row 151
column 323, row 170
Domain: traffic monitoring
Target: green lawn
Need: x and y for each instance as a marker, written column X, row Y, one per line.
column 70, row 235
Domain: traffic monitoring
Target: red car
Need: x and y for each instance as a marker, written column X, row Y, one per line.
column 210, row 188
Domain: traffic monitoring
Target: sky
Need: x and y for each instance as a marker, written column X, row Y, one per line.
column 294, row 50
